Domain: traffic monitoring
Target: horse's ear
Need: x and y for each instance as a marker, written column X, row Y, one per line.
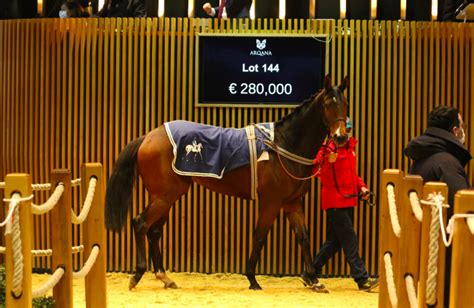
column 345, row 84
column 327, row 82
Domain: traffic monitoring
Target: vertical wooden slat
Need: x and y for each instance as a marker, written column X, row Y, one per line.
column 456, row 66
column 15, row 94
column 400, row 84
column 153, row 72
column 470, row 102
column 431, row 72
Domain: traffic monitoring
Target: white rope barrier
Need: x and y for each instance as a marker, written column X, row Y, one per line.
column 416, row 206
column 392, row 291
column 450, row 228
column 46, row 252
column 51, row 283
column 392, row 206
column 76, row 182
column 436, row 202
column 410, row 286
column 470, row 222
column 87, row 203
column 17, row 253
column 41, row 252
column 51, row 203
column 46, row 186
column 77, row 249
column 14, row 202
column 88, row 265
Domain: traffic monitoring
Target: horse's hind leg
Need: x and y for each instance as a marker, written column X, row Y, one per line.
column 295, row 215
column 154, row 235
column 140, row 228
column 154, row 212
column 266, row 217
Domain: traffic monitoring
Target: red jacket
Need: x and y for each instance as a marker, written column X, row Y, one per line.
column 344, row 192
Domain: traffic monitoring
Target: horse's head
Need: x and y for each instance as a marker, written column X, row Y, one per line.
column 335, row 109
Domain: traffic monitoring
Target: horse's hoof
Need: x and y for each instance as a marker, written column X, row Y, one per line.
column 320, row 288
column 171, row 285
column 132, row 283
column 255, row 287
column 307, row 280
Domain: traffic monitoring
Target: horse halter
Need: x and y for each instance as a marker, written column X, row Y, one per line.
column 329, row 104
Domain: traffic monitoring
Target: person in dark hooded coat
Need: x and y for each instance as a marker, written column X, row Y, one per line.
column 439, row 155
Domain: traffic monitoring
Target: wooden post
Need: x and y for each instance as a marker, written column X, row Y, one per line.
column 462, row 271
column 2, row 218
column 388, row 241
column 94, row 234
column 20, row 183
column 410, row 237
column 61, row 238
column 431, row 187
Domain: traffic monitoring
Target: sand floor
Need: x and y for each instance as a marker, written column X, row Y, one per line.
column 224, row 290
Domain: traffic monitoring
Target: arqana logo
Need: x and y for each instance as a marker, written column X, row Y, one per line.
column 261, row 44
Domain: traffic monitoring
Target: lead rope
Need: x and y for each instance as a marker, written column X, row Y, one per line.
column 291, row 156
column 318, row 172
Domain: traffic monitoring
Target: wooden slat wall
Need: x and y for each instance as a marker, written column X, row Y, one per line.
column 78, row 90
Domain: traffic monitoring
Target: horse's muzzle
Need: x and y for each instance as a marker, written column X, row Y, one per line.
column 340, row 140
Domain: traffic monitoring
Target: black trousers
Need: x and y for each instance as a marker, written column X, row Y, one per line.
column 340, row 233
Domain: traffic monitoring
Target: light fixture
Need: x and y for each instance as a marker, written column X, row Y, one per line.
column 403, row 9
column 161, row 8
column 373, row 9
column 434, row 9
column 190, row 8
column 100, row 5
column 343, row 9
column 282, row 9
column 39, row 9
column 312, row 8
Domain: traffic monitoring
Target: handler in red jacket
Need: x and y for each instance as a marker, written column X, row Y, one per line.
column 340, row 190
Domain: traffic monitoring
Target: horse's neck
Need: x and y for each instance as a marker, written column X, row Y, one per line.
column 302, row 135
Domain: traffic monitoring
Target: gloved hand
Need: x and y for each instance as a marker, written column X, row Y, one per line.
column 365, row 193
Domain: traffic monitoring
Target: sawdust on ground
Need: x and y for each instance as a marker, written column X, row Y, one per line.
column 223, row 290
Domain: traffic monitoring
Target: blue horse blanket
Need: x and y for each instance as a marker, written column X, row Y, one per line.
column 210, row 151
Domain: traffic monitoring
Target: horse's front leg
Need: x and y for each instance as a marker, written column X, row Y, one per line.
column 266, row 216
column 294, row 213
column 154, row 235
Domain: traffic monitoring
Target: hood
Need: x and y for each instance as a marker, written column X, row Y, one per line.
column 435, row 140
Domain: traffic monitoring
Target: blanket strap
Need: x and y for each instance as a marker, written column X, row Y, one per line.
column 251, row 137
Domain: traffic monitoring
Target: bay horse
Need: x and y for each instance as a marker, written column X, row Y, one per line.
column 301, row 133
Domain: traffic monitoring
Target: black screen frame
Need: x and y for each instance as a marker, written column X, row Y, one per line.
column 324, row 39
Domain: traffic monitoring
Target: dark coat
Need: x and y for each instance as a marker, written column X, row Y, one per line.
column 236, row 8
column 439, row 156
column 123, row 8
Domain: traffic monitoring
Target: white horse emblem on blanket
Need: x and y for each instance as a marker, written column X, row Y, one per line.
column 194, row 148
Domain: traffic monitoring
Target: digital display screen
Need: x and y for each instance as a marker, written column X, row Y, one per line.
column 259, row 70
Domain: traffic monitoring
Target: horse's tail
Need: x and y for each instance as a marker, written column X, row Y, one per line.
column 118, row 196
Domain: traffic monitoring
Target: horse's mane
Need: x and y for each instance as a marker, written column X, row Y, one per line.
column 299, row 109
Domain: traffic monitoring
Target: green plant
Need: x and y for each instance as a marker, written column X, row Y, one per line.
column 40, row 302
